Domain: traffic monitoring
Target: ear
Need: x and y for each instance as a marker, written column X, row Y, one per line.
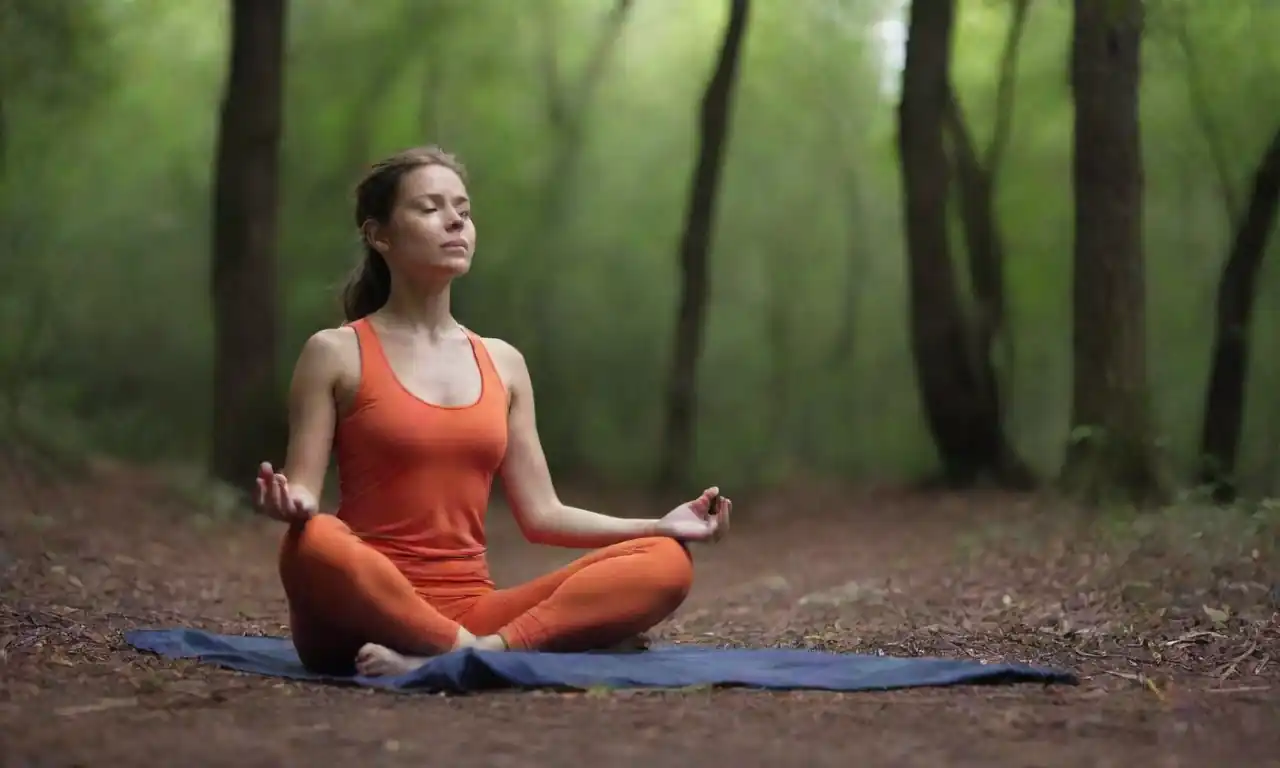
column 373, row 235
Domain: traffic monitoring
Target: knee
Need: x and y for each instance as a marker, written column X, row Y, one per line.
column 670, row 571
column 313, row 539
column 313, row 550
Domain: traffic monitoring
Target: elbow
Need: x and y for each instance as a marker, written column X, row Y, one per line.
column 538, row 525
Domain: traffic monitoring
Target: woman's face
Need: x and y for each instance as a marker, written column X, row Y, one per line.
column 430, row 232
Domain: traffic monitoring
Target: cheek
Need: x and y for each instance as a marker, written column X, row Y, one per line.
column 415, row 228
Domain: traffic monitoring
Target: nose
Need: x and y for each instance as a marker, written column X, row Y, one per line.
column 454, row 222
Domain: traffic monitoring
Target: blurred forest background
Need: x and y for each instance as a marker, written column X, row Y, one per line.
column 892, row 238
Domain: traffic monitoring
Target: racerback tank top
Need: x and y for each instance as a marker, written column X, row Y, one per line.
column 415, row 477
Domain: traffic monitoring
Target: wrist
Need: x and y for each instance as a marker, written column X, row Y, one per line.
column 651, row 527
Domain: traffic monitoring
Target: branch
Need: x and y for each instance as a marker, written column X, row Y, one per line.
column 557, row 101
column 1006, row 88
column 1203, row 115
column 565, row 105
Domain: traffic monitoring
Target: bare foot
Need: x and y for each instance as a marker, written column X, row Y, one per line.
column 490, row 643
column 375, row 660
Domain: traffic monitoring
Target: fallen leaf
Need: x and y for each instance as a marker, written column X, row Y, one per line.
column 98, row 706
column 1215, row 615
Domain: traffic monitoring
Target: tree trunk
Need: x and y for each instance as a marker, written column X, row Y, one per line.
column 960, row 404
column 248, row 423
column 1237, row 289
column 1110, row 452
column 568, row 110
column 695, row 245
column 854, row 269
column 978, row 176
column 983, row 244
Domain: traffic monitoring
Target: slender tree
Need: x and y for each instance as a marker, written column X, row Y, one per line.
column 695, row 247
column 1237, row 291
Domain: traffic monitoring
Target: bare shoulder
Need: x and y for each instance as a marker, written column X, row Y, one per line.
column 332, row 346
column 508, row 360
column 331, row 354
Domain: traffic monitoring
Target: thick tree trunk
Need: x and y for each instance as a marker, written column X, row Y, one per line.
column 1237, row 290
column 1111, row 449
column 695, row 246
column 960, row 401
column 248, row 424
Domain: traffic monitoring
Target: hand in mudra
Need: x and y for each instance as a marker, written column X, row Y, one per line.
column 697, row 520
column 277, row 499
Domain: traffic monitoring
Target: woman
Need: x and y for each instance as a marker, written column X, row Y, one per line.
column 421, row 413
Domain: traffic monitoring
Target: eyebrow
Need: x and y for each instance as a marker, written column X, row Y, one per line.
column 458, row 200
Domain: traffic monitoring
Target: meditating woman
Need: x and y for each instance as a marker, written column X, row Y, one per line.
column 421, row 413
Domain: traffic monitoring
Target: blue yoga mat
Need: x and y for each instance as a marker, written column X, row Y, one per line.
column 469, row 671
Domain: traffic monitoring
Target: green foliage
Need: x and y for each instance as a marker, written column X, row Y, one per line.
column 113, row 145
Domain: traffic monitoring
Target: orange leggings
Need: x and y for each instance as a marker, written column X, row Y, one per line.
column 342, row 593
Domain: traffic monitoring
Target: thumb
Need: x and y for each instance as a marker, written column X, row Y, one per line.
column 702, row 504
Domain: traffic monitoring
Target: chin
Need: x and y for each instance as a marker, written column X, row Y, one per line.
column 447, row 268
column 457, row 266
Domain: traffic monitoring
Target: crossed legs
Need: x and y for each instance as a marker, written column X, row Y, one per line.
column 347, row 600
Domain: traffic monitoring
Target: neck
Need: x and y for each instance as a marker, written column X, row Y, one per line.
column 424, row 310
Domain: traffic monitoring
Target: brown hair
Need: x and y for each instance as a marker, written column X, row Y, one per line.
column 369, row 284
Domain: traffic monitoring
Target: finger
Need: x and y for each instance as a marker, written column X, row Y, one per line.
column 260, row 500
column 722, row 517
column 280, row 493
column 702, row 505
column 717, row 508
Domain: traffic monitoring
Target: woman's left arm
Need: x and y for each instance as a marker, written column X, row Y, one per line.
column 542, row 517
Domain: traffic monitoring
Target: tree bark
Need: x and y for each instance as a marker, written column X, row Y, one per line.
column 961, row 405
column 695, row 246
column 248, row 422
column 568, row 110
column 1237, row 290
column 977, row 176
column 1111, row 451
column 983, row 244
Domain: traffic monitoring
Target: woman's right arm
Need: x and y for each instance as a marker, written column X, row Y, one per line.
column 313, row 410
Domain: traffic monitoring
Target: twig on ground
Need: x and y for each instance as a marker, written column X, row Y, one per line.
column 1230, row 668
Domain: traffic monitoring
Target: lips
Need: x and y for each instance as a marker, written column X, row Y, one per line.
column 455, row 244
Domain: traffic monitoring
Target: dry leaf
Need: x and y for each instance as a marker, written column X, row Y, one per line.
column 1215, row 615
column 98, row 706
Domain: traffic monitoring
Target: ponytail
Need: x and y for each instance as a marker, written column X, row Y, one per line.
column 368, row 286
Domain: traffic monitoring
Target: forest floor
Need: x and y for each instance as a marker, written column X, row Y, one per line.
column 1170, row 621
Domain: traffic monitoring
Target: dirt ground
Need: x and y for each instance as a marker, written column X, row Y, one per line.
column 1179, row 657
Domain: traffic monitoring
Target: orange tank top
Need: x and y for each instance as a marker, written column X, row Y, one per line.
column 415, row 477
